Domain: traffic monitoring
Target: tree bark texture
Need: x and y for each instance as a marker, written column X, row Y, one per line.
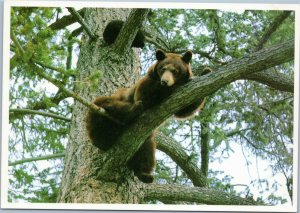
column 130, row 29
column 204, row 148
column 273, row 79
column 200, row 195
column 79, row 183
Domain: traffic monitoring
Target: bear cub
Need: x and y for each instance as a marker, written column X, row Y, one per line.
column 113, row 29
column 169, row 71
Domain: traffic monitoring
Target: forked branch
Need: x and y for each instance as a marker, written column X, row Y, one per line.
column 78, row 17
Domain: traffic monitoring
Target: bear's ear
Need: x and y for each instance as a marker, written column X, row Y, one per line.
column 160, row 55
column 187, row 56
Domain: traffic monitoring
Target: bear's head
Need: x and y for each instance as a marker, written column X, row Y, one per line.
column 171, row 69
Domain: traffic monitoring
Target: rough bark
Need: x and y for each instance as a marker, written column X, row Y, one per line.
column 79, row 184
column 204, row 148
column 269, row 77
column 200, row 195
column 129, row 30
column 273, row 79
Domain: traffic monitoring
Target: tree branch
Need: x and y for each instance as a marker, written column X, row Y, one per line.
column 15, row 40
column 153, row 41
column 70, row 46
column 129, row 30
column 273, row 27
column 196, row 89
column 269, row 77
column 46, row 157
column 204, row 148
column 60, row 24
column 30, row 111
column 61, row 86
column 56, row 99
column 66, row 21
column 78, row 98
column 77, row 16
column 153, row 36
column 59, row 96
column 193, row 194
column 48, row 66
column 219, row 34
column 273, row 79
column 178, row 155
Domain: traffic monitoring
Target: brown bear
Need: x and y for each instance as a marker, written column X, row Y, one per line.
column 126, row 104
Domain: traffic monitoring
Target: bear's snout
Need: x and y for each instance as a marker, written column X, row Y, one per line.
column 167, row 79
column 163, row 83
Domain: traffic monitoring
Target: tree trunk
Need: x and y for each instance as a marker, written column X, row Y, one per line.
column 79, row 182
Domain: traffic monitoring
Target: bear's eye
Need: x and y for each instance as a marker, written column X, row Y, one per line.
column 162, row 70
column 174, row 70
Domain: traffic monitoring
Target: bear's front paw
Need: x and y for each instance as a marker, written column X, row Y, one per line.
column 138, row 106
column 145, row 177
column 103, row 102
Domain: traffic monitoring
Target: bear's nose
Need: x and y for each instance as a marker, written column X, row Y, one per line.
column 164, row 82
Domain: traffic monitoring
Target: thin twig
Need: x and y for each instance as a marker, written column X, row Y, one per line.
column 46, row 157
column 273, row 27
column 48, row 66
column 72, row 94
column 82, row 22
column 15, row 40
column 61, row 86
column 74, row 33
column 30, row 111
column 65, row 21
column 155, row 43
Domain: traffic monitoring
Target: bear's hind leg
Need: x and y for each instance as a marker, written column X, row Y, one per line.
column 143, row 162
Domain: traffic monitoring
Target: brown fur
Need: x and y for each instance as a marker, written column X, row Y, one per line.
column 143, row 162
column 126, row 104
column 190, row 110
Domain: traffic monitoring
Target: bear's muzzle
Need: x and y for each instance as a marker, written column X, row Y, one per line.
column 167, row 79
